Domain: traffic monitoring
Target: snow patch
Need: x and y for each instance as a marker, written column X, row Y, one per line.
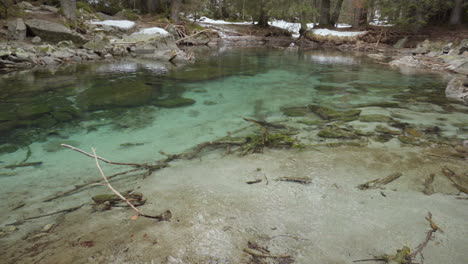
column 153, row 30
column 123, row 24
column 207, row 20
column 328, row 32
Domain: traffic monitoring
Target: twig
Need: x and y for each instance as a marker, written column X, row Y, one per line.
column 434, row 228
column 80, row 186
column 373, row 259
column 377, row 183
column 450, row 175
column 179, row 40
column 162, row 217
column 301, row 180
column 69, row 210
column 259, row 254
column 102, row 159
column 110, row 186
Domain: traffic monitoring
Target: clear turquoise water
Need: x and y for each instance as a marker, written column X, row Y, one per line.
column 117, row 107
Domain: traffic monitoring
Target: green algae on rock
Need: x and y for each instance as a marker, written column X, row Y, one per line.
column 174, row 102
column 331, row 114
column 336, row 132
column 375, row 118
column 295, row 111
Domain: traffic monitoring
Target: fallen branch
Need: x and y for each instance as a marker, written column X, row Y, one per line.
column 102, row 159
column 262, row 127
column 301, row 180
column 434, row 228
column 193, row 35
column 69, row 210
column 377, row 183
column 162, row 217
column 80, row 186
column 258, row 254
column 451, row 175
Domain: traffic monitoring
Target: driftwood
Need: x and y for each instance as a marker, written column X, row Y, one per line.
column 404, row 255
column 301, row 180
column 80, row 186
column 451, row 175
column 254, row 181
column 193, row 35
column 378, row 183
column 257, row 251
column 69, row 210
column 21, row 165
column 162, row 217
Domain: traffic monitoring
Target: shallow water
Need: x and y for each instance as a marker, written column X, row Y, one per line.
column 123, row 109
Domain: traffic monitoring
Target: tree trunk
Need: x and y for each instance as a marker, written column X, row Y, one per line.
column 175, row 10
column 457, row 11
column 336, row 12
column 360, row 14
column 325, row 13
column 69, row 9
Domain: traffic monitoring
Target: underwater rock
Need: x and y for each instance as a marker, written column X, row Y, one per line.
column 105, row 95
column 101, row 198
column 457, row 90
column 310, row 122
column 381, row 105
column 174, row 102
column 330, row 114
column 409, row 140
column 375, row 118
column 295, row 111
column 382, row 138
column 413, row 132
column 208, row 102
column 8, row 148
column 335, row 132
column 386, row 130
column 55, row 146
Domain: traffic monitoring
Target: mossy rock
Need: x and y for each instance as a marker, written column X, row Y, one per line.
column 386, row 130
column 382, row 138
column 8, row 125
column 295, row 111
column 311, row 122
column 334, row 132
column 8, row 148
column 331, row 114
column 102, row 198
column 413, row 132
column 174, row 102
column 106, row 95
column 381, row 105
column 409, row 140
column 375, row 118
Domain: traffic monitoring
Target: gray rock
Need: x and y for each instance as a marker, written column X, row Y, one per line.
column 119, row 51
column 98, row 45
column 459, row 65
column 63, row 54
column 36, row 40
column 45, row 49
column 456, row 90
column 53, row 32
column 50, row 61
column 77, row 59
column 52, row 9
column 407, row 61
column 108, row 56
column 17, row 29
column 25, row 5
column 401, row 43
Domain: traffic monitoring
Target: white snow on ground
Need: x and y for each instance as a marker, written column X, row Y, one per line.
column 289, row 26
column 123, row 24
column 328, row 32
column 153, row 30
column 207, row 20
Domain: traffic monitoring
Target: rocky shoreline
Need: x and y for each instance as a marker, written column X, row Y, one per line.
column 34, row 42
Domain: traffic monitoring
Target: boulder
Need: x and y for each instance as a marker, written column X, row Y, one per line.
column 97, row 45
column 401, row 43
column 52, row 9
column 53, row 32
column 17, row 29
column 406, row 61
column 36, row 40
column 457, row 90
column 26, row 5
column 458, row 65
